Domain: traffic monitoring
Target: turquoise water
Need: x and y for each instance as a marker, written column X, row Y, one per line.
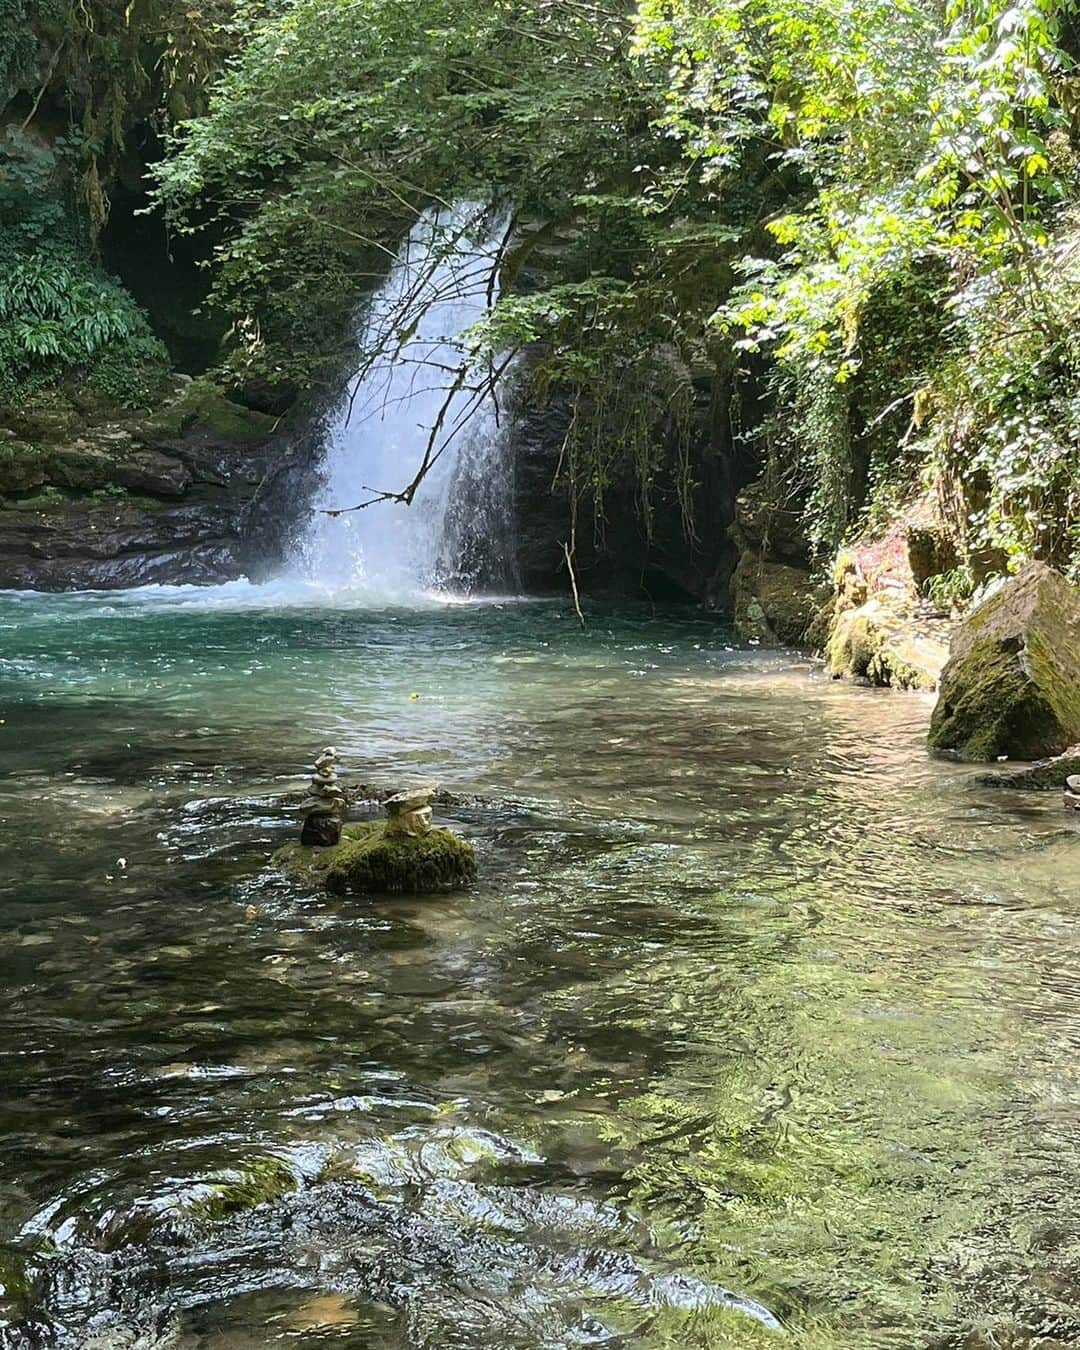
column 759, row 1028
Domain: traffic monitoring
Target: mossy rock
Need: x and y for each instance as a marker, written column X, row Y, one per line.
column 1011, row 688
column 369, row 861
column 775, row 603
column 202, row 406
column 1047, row 775
column 873, row 644
column 257, row 1182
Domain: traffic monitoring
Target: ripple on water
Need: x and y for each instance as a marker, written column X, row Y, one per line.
column 752, row 996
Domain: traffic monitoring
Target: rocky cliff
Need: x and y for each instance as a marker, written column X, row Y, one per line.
column 93, row 496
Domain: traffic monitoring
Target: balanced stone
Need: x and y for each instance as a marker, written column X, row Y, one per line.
column 409, row 812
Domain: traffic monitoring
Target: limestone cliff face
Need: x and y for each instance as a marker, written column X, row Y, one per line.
column 675, row 558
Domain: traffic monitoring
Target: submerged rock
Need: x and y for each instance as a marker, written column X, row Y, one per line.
column 372, row 860
column 1047, row 775
column 1011, row 687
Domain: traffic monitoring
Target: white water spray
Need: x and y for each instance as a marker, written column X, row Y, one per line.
column 418, row 394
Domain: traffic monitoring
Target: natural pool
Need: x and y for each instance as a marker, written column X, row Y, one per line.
column 760, row 1027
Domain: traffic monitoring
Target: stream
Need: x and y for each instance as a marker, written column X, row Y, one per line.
column 759, row 1028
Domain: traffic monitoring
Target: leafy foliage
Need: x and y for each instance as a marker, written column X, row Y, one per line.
column 867, row 195
column 57, row 309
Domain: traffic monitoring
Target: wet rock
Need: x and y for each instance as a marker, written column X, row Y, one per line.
column 101, row 497
column 618, row 554
column 256, row 1181
column 1072, row 792
column 1011, row 687
column 1045, row 775
column 370, row 860
column 320, row 831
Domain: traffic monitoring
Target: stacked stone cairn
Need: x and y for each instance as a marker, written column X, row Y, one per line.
column 322, row 807
column 1072, row 791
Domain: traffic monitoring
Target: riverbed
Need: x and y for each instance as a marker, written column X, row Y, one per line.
column 760, row 1026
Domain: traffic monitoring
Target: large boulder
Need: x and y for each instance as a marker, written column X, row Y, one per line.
column 1011, row 687
column 774, row 603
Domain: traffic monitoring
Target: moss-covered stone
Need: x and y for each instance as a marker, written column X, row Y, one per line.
column 1047, row 775
column 874, row 644
column 201, row 405
column 256, row 1182
column 369, row 861
column 774, row 603
column 1012, row 684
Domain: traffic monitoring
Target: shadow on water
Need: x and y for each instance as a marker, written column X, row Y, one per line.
column 757, row 1018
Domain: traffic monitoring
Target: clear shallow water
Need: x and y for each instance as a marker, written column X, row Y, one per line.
column 756, row 1018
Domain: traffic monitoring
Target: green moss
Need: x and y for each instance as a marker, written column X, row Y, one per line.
column 1048, row 775
column 368, row 861
column 23, row 466
column 201, row 404
column 257, row 1182
column 48, row 499
column 989, row 707
column 774, row 602
column 853, row 646
column 1012, row 685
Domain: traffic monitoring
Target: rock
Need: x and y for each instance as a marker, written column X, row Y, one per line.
column 770, row 526
column 370, row 861
column 323, row 806
column 201, row 405
column 774, row 602
column 320, row 829
column 93, row 495
column 615, row 553
column 409, row 812
column 1011, row 687
column 1046, row 775
column 875, row 643
column 1072, row 791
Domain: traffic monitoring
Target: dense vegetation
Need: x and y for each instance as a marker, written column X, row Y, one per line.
column 865, row 209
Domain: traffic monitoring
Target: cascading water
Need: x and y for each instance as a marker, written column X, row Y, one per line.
column 418, row 394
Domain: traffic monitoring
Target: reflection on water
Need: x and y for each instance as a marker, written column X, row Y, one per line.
column 758, row 1022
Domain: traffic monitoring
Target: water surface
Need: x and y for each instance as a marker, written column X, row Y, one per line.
column 759, row 1028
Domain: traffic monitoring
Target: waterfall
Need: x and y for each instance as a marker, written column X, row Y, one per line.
column 409, row 397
